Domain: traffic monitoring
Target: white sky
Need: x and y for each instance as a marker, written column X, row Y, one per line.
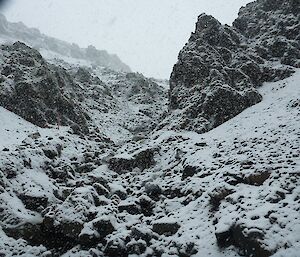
column 145, row 34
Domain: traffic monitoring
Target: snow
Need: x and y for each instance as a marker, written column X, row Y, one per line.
column 268, row 135
column 14, row 129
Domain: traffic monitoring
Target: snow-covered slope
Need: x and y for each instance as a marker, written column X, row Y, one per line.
column 91, row 99
column 231, row 191
column 14, row 129
column 235, row 185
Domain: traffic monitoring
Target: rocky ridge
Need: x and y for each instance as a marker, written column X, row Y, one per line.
column 219, row 69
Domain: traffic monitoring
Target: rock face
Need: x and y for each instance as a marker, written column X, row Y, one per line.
column 219, row 69
column 54, row 92
column 37, row 91
column 280, row 18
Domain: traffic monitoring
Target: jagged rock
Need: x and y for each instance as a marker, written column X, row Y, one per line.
column 101, row 190
column 189, row 171
column 272, row 16
column 147, row 205
column 84, row 76
column 131, row 208
column 85, row 168
column 88, row 240
column 153, row 190
column 104, row 227
column 136, row 247
column 70, row 229
column 187, row 250
column 142, row 234
column 220, row 67
column 30, row 98
column 51, row 153
column 257, row 179
column 37, row 234
column 219, row 195
column 223, row 89
column 116, row 248
column 28, row 231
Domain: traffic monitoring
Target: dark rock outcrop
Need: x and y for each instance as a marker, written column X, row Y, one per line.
column 165, row 227
column 247, row 240
column 220, row 67
column 273, row 27
column 37, row 91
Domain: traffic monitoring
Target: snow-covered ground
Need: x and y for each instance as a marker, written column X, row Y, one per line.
column 229, row 163
column 14, row 129
column 246, row 175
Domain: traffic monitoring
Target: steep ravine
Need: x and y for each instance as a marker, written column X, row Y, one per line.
column 99, row 162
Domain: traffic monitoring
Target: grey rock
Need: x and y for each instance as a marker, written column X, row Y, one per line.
column 165, row 228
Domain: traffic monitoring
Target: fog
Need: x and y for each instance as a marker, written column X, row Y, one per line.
column 147, row 35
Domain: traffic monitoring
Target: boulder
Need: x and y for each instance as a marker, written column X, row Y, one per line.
column 153, row 190
column 166, row 227
column 189, row 171
column 103, row 226
column 143, row 159
column 115, row 248
column 130, row 207
column 34, row 202
column 248, row 240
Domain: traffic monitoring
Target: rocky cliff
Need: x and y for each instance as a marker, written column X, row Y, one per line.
column 37, row 91
column 219, row 69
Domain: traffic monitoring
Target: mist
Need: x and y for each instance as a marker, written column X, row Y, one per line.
column 147, row 35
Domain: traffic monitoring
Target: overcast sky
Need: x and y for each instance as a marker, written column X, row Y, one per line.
column 146, row 34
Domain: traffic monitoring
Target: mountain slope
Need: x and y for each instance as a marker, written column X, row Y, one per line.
column 195, row 198
column 57, row 93
column 48, row 46
column 136, row 180
column 237, row 185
